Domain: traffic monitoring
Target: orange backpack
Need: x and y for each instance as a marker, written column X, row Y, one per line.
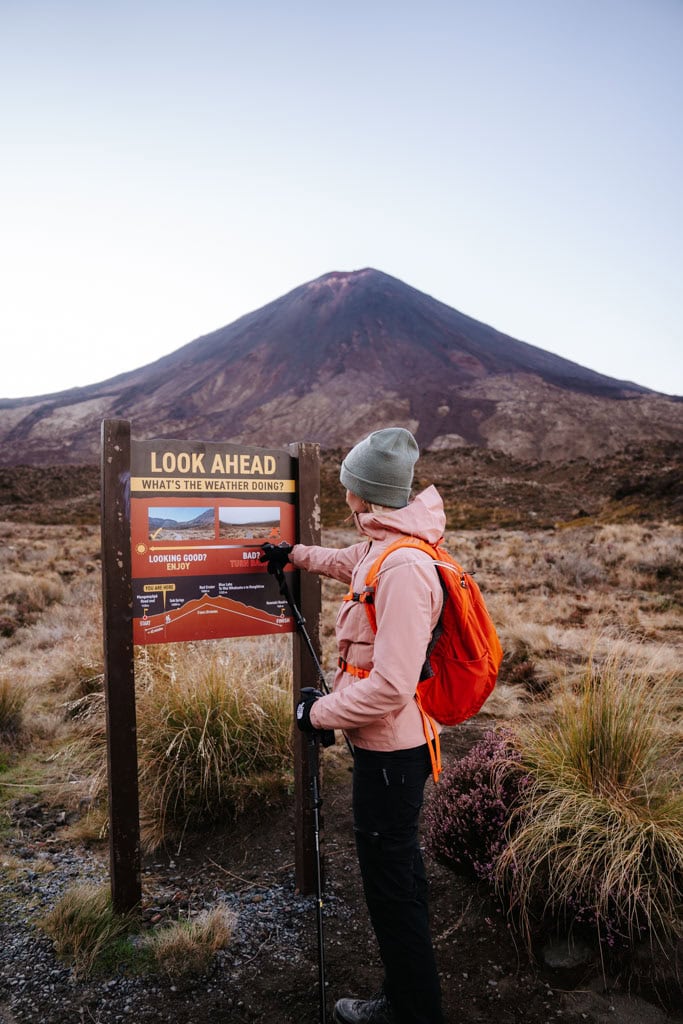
column 464, row 654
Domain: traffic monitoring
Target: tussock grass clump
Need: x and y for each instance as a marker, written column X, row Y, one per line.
column 24, row 597
column 83, row 925
column 12, row 704
column 214, row 735
column 79, row 769
column 520, row 669
column 598, row 838
column 188, row 947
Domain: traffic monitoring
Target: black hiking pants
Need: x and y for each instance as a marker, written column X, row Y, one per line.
column 388, row 789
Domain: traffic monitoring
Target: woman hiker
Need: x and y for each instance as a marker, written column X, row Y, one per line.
column 372, row 702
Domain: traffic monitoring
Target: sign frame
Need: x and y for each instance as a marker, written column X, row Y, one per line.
column 119, row 457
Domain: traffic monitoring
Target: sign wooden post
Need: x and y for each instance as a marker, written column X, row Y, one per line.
column 119, row 671
column 304, row 670
column 182, row 524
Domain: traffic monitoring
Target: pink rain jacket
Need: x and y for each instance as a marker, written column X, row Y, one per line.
column 379, row 712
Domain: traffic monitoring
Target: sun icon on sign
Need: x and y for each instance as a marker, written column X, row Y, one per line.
column 140, row 548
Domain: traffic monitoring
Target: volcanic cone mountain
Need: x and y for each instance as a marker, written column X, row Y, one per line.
column 337, row 357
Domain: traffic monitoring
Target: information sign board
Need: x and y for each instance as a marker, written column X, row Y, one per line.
column 199, row 513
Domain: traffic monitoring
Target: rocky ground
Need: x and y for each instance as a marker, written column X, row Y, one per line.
column 269, row 973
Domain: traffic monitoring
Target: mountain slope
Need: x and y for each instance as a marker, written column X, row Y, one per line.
column 336, row 357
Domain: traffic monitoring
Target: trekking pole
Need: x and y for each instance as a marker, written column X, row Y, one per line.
column 313, row 763
column 313, row 742
column 301, row 626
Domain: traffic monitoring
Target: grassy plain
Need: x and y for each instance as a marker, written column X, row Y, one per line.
column 599, row 585
column 557, row 596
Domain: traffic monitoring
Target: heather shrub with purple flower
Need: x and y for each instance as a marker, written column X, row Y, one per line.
column 465, row 823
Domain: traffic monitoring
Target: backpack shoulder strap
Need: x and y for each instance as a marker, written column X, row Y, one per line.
column 367, row 596
column 402, row 542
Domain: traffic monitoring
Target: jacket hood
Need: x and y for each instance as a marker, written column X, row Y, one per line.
column 423, row 517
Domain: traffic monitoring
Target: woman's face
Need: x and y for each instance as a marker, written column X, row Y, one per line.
column 355, row 503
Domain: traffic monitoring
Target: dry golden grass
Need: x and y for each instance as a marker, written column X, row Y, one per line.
column 557, row 597
column 187, row 947
column 50, row 646
column 12, row 703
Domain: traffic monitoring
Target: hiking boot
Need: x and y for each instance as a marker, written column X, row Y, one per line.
column 363, row 1011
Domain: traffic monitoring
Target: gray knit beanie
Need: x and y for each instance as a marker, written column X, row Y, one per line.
column 380, row 468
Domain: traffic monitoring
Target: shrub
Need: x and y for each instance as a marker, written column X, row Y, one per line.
column 466, row 819
column 600, row 836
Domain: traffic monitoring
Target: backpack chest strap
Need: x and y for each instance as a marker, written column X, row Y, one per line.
column 366, row 597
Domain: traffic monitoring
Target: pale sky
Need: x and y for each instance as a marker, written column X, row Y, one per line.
column 170, row 166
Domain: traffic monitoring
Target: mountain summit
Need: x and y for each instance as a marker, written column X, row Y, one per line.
column 335, row 358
